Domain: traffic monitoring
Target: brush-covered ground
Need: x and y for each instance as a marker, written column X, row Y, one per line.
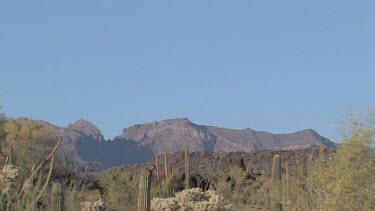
column 33, row 178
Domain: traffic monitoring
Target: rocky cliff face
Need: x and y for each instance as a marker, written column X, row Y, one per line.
column 77, row 134
column 83, row 128
column 172, row 135
column 78, row 131
column 175, row 135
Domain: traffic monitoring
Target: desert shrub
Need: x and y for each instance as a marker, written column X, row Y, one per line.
column 238, row 188
column 192, row 199
column 76, row 194
column 75, row 190
column 347, row 180
column 120, row 190
column 167, row 188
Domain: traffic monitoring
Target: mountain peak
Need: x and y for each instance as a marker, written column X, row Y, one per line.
column 309, row 131
column 172, row 121
column 175, row 121
column 87, row 128
column 82, row 122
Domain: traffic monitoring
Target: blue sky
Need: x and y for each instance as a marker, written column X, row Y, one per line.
column 277, row 66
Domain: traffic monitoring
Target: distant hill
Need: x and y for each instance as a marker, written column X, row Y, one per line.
column 139, row 143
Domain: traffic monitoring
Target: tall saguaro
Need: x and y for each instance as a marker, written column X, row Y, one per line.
column 276, row 169
column 166, row 165
column 157, row 168
column 57, row 197
column 11, row 155
column 144, row 201
column 276, row 180
column 187, row 168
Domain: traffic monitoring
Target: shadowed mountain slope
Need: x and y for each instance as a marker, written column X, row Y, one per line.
column 84, row 142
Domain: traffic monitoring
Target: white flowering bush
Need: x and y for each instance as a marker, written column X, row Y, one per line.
column 7, row 177
column 192, row 199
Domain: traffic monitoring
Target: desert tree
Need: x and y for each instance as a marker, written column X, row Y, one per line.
column 31, row 141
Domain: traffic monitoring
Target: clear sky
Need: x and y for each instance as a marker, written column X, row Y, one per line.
column 277, row 66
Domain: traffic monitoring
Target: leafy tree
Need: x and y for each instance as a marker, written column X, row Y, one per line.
column 31, row 140
column 348, row 180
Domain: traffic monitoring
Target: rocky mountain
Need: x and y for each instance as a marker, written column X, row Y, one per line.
column 172, row 135
column 175, row 135
column 137, row 144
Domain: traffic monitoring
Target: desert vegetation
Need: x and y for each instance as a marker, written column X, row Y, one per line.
column 36, row 176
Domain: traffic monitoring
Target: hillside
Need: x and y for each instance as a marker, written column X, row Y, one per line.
column 219, row 164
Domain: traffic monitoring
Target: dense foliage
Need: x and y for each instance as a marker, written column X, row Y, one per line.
column 30, row 140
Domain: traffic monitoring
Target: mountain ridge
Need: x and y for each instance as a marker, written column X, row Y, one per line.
column 172, row 135
column 140, row 142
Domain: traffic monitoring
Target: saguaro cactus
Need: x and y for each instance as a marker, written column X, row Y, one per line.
column 57, row 197
column 144, row 202
column 11, row 155
column 276, row 180
column 166, row 166
column 187, row 168
column 276, row 169
column 3, row 148
column 157, row 168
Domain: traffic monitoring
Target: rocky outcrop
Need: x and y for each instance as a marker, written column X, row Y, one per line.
column 78, row 131
column 172, row 135
column 74, row 136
